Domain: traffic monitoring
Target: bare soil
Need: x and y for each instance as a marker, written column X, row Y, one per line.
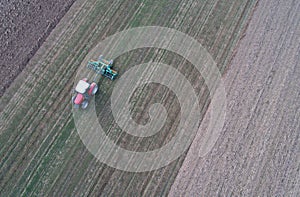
column 24, row 26
column 258, row 151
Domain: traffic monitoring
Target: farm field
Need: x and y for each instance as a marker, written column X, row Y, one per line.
column 258, row 151
column 41, row 152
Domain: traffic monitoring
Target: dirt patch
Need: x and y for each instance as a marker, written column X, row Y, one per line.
column 24, row 27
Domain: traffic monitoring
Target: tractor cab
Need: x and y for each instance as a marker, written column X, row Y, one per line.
column 82, row 87
column 83, row 93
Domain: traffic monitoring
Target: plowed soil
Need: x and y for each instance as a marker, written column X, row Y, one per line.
column 24, row 26
column 258, row 152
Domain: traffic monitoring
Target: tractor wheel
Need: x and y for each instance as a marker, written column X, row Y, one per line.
column 95, row 88
column 75, row 105
column 100, row 57
column 73, row 99
column 84, row 104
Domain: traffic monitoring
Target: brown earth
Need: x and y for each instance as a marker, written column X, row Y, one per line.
column 24, row 26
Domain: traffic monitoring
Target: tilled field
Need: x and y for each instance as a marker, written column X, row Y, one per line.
column 25, row 25
column 41, row 153
column 258, row 151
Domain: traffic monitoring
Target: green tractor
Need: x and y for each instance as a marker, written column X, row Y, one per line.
column 103, row 67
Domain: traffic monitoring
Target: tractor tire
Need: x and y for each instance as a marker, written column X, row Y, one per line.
column 73, row 98
column 75, row 105
column 84, row 104
column 95, row 88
